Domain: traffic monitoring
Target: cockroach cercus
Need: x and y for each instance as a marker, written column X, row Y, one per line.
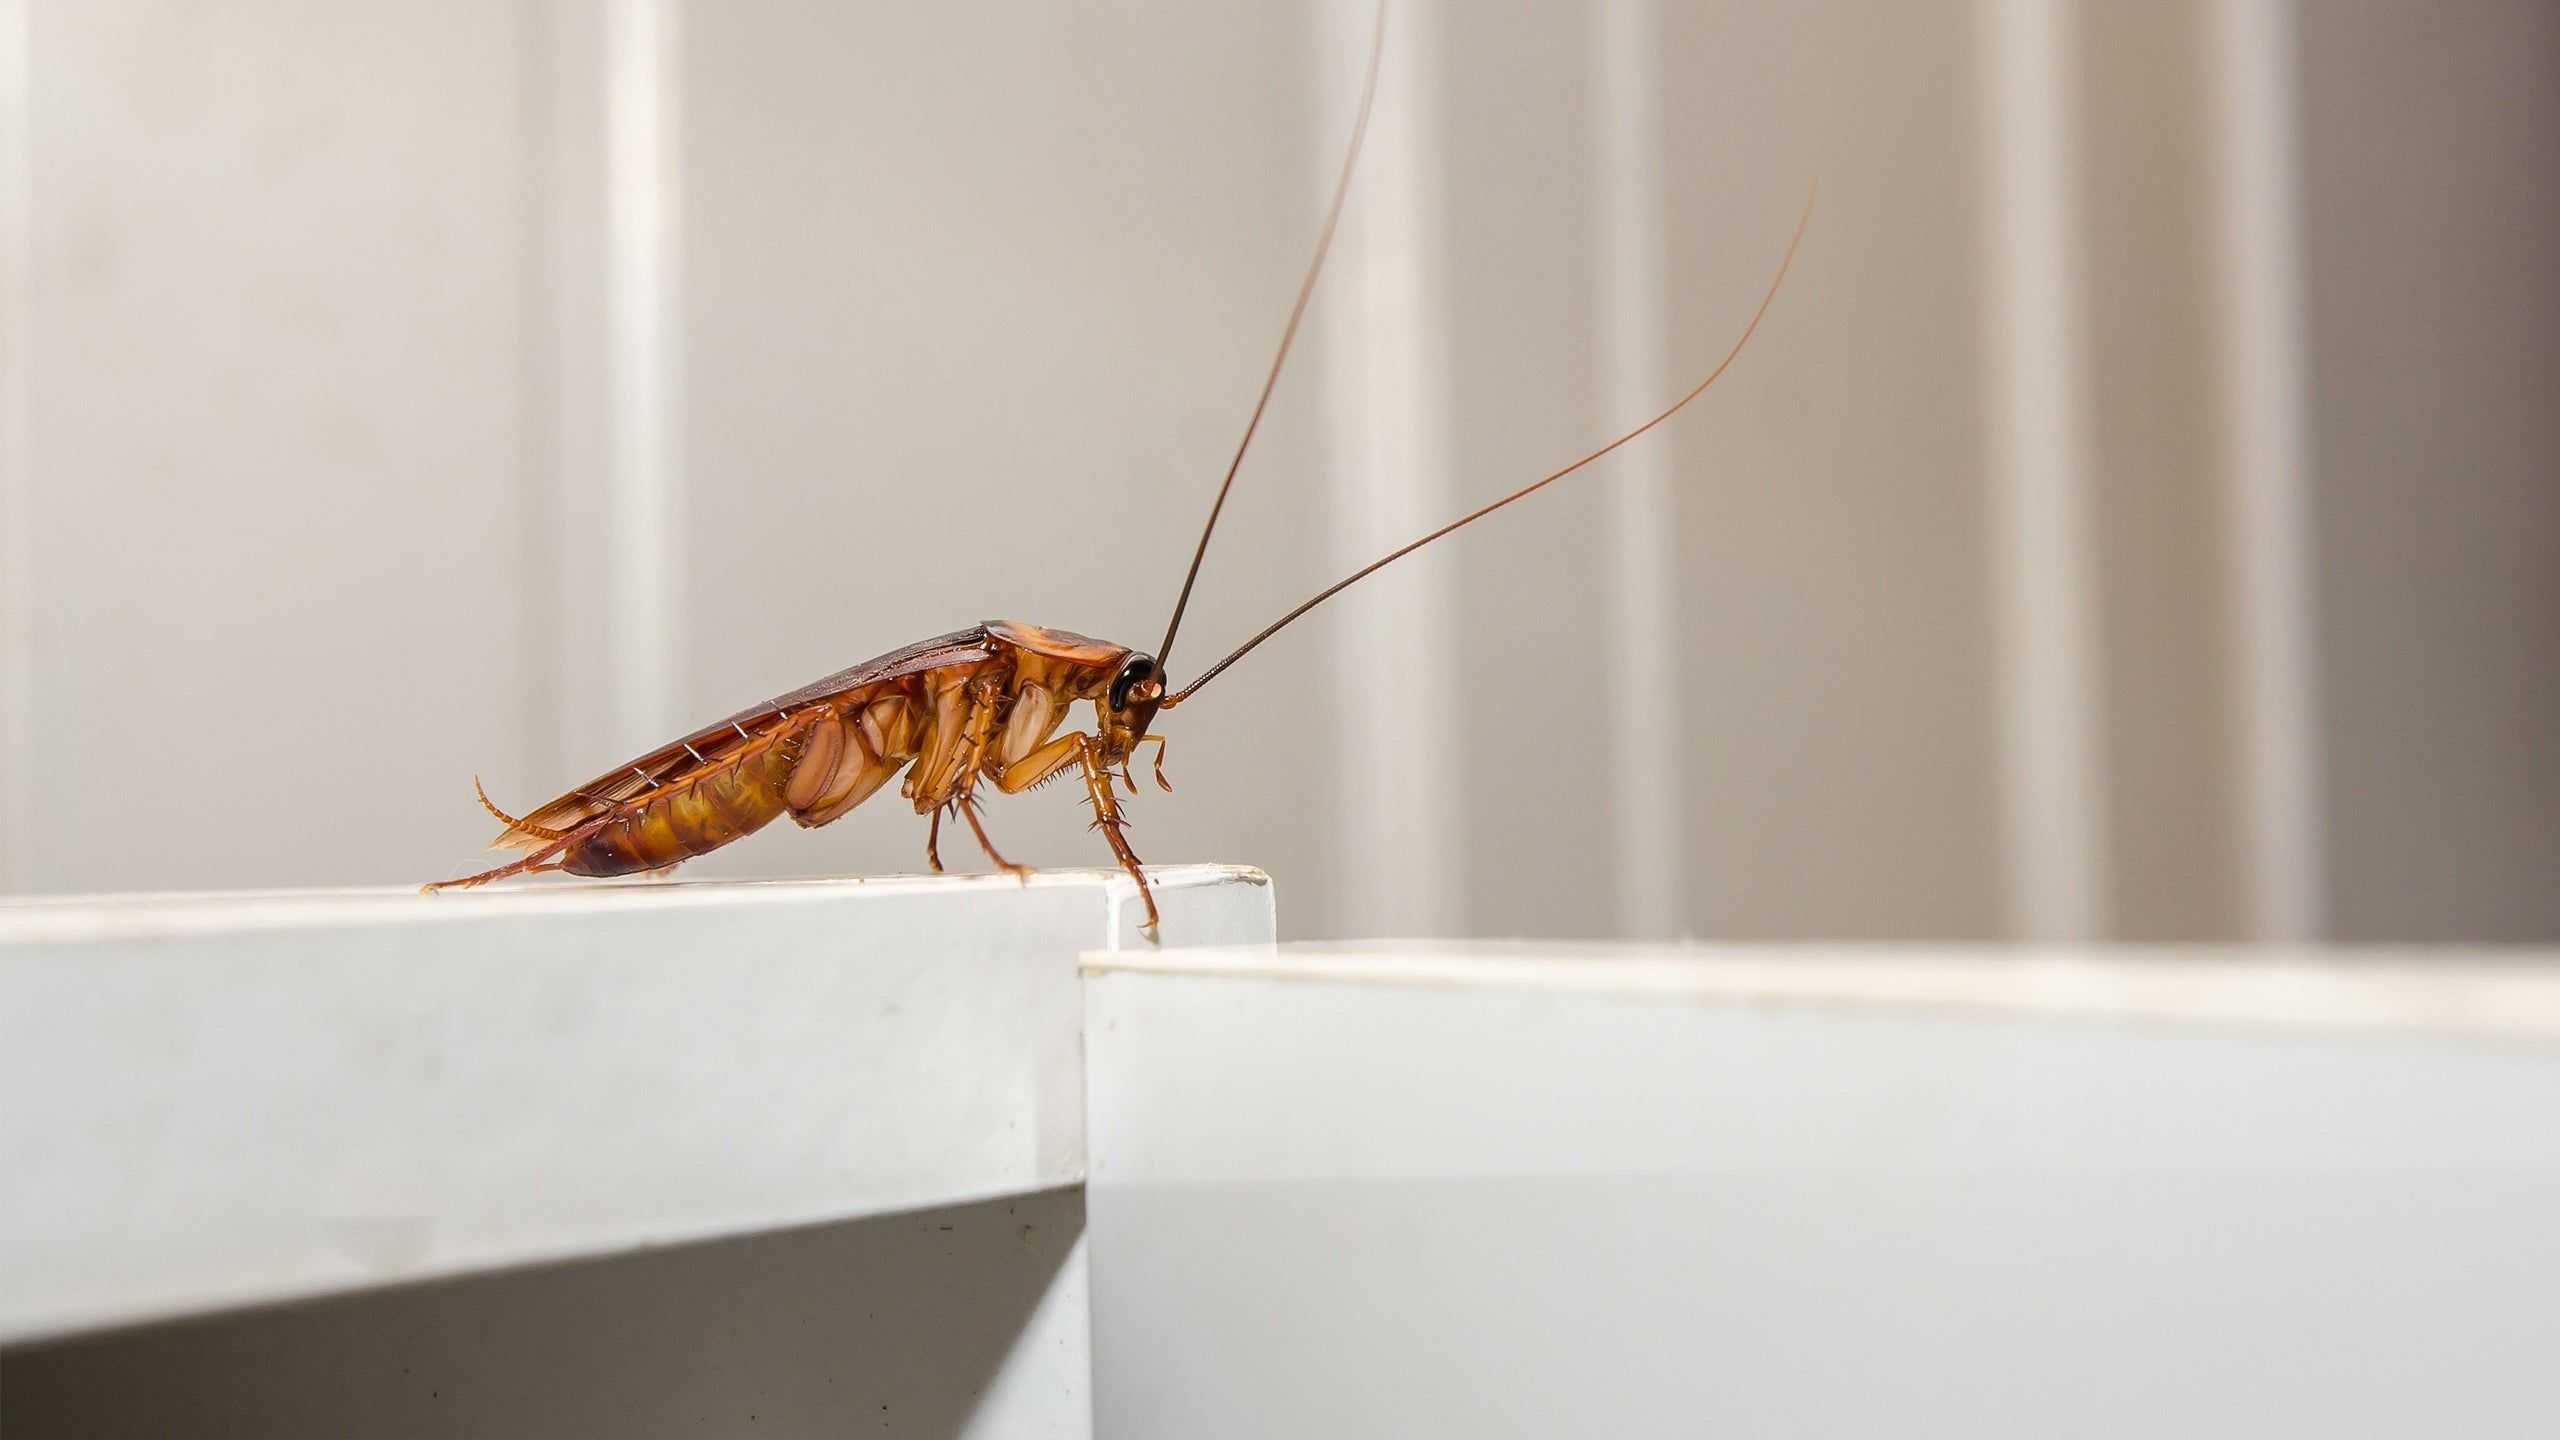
column 979, row 706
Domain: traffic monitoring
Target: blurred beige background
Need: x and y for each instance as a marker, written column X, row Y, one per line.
column 2139, row 517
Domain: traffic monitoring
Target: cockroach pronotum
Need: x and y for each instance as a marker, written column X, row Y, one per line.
column 976, row 706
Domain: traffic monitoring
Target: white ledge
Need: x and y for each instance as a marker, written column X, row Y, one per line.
column 2480, row 994
column 1529, row 1190
column 219, row 1100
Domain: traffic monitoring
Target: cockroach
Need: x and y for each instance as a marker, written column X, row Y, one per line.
column 976, row 707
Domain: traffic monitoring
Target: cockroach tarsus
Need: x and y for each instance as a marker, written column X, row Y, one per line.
column 977, row 706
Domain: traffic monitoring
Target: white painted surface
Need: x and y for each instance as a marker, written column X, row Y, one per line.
column 2044, row 576
column 278, row 419
column 222, row 1100
column 2266, row 380
column 644, row 251
column 17, row 197
column 1646, row 766
column 964, row 1321
column 1386, row 367
column 2430, row 224
column 1537, row 1191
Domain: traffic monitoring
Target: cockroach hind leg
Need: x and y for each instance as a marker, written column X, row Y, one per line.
column 541, row 862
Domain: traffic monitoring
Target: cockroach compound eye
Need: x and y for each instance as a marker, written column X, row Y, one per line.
column 1133, row 676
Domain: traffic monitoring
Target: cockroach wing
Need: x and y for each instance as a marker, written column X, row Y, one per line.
column 709, row 745
column 1057, row 644
column 960, row 647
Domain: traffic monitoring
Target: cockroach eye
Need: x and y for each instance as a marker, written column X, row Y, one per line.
column 1139, row 670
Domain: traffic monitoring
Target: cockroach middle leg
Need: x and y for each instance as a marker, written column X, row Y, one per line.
column 985, row 700
column 968, row 808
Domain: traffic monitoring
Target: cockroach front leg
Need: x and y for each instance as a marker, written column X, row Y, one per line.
column 1042, row 763
column 1106, row 818
column 933, row 841
column 1161, row 783
column 1077, row 746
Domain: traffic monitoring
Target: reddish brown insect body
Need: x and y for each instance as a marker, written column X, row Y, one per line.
column 981, row 705
column 977, row 705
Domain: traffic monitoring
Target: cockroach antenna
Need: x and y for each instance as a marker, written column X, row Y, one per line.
column 1524, row 492
column 1288, row 333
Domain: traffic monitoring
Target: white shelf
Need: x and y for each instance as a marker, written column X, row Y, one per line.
column 221, row 1100
column 1538, row 1190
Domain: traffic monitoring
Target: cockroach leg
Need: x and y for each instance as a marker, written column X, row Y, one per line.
column 1084, row 749
column 1161, row 783
column 540, row 862
column 1106, row 818
column 1040, row 764
column 960, row 793
column 933, row 841
column 969, row 811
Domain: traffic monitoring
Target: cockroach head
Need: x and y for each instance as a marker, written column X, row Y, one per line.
column 1135, row 693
